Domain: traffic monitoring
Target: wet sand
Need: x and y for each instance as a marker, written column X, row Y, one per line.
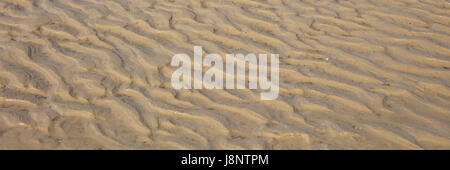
column 95, row 74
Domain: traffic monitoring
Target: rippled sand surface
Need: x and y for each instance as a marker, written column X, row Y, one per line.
column 95, row 74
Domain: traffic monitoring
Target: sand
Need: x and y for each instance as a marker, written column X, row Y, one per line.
column 95, row 74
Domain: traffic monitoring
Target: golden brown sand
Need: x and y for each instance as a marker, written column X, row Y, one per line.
column 95, row 74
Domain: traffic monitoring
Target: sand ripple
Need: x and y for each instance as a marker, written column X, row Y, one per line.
column 95, row 74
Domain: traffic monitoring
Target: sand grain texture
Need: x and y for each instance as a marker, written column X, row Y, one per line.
column 95, row 74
